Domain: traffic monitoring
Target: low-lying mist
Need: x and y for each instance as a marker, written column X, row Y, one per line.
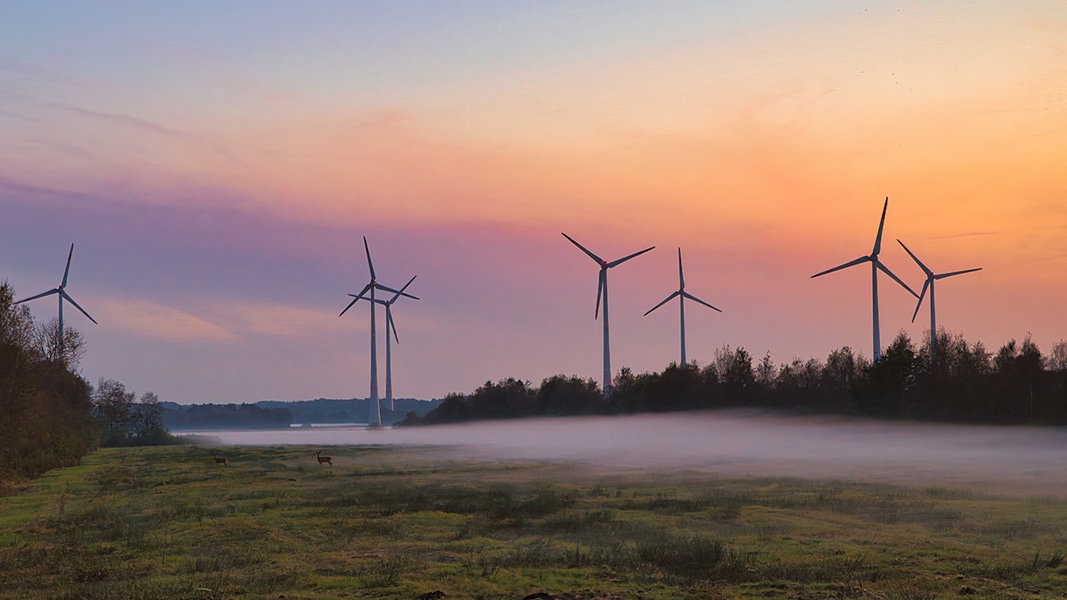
column 732, row 443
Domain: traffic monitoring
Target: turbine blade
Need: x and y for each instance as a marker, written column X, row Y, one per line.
column 954, row 273
column 681, row 277
column 66, row 271
column 626, row 258
column 386, row 288
column 926, row 284
column 661, row 303
column 41, row 295
column 850, row 263
column 71, row 300
column 916, row 259
column 584, row 249
column 886, row 270
column 389, row 324
column 370, row 264
column 695, row 299
column 599, row 289
column 355, row 298
column 881, row 225
column 394, row 299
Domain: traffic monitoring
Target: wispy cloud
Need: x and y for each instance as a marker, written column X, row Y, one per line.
column 969, row 234
column 151, row 319
column 33, row 105
column 20, row 117
column 280, row 320
column 221, row 320
column 35, row 71
column 17, row 187
column 117, row 119
column 142, row 124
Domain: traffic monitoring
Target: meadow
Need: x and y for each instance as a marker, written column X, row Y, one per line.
column 406, row 522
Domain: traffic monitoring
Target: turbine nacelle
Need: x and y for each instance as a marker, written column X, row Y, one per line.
column 681, row 291
column 60, row 290
column 374, row 418
column 602, row 293
column 602, row 281
column 931, row 277
column 876, row 265
column 681, row 294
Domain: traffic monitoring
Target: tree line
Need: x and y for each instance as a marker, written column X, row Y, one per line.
column 225, row 416
column 51, row 416
column 965, row 384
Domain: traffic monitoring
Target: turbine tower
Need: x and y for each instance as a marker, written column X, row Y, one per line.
column 876, row 264
column 374, row 412
column 61, row 292
column 681, row 294
column 602, row 293
column 389, row 324
column 931, row 277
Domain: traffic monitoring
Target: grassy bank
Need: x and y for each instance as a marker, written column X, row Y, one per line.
column 402, row 523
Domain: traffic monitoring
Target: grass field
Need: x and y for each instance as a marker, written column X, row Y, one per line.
column 147, row 523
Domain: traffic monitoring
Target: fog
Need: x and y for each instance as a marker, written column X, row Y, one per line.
column 731, row 443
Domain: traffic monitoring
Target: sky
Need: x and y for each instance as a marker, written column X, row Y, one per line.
column 217, row 166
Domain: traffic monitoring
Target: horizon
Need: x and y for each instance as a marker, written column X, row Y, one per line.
column 734, row 442
column 217, row 179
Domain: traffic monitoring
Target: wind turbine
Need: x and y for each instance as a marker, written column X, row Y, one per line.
column 681, row 294
column 876, row 264
column 61, row 292
column 374, row 412
column 389, row 324
column 931, row 277
column 602, row 292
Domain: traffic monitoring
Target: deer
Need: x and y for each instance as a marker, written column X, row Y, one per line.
column 219, row 460
column 323, row 460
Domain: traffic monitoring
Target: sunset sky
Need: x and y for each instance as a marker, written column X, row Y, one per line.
column 217, row 165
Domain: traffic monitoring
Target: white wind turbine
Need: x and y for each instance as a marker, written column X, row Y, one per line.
column 374, row 412
column 61, row 292
column 389, row 324
column 931, row 277
column 876, row 264
column 681, row 294
column 602, row 293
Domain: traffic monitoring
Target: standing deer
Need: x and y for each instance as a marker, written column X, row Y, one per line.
column 327, row 460
column 219, row 460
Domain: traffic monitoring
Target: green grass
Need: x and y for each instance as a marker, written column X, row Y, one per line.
column 166, row 522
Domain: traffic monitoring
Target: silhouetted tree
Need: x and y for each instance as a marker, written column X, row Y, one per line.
column 46, row 343
column 888, row 380
column 453, row 409
column 1004, row 362
column 733, row 370
column 45, row 417
column 506, row 398
column 1057, row 357
column 16, row 322
column 765, row 371
column 629, row 392
column 677, row 388
column 561, row 395
column 112, row 405
column 1018, row 382
column 146, row 427
column 968, row 385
